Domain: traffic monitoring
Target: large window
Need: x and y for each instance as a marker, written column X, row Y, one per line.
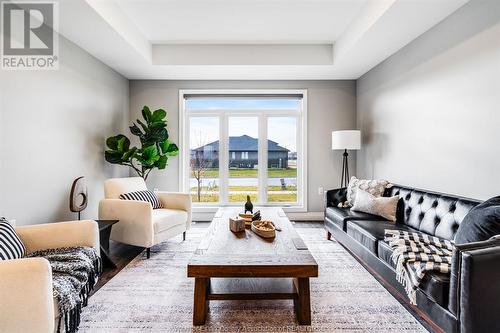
column 241, row 145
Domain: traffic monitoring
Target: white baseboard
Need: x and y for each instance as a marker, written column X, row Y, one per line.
column 306, row 216
column 203, row 216
column 296, row 216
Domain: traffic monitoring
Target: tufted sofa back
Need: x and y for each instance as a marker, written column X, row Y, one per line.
column 433, row 213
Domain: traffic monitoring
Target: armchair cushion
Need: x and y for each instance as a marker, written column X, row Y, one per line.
column 147, row 196
column 164, row 219
column 11, row 247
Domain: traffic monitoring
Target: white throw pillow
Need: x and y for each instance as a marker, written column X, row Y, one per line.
column 376, row 187
column 382, row 206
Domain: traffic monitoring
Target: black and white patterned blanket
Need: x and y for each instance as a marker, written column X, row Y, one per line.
column 74, row 273
column 415, row 254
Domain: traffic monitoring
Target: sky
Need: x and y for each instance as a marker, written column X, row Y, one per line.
column 204, row 130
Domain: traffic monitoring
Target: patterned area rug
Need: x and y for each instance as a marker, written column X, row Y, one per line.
column 156, row 296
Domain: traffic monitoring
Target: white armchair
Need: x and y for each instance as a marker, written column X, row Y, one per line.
column 26, row 299
column 140, row 224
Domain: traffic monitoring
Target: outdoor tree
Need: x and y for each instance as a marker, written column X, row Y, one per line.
column 199, row 163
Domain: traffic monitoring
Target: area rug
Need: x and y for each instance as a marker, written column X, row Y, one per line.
column 154, row 295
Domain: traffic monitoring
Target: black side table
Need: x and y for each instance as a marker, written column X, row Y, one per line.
column 104, row 233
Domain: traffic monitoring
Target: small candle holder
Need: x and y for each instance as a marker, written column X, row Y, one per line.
column 236, row 224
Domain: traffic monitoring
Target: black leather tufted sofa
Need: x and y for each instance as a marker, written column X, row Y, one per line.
column 466, row 301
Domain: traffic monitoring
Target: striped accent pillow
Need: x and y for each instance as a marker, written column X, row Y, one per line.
column 147, row 196
column 11, row 246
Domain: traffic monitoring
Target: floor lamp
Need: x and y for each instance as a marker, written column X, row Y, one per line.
column 346, row 140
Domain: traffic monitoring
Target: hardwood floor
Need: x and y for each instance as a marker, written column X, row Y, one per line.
column 122, row 254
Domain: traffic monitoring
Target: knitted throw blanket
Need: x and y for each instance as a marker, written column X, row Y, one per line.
column 415, row 254
column 74, row 273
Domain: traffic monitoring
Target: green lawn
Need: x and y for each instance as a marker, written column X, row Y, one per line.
column 277, row 197
column 271, row 197
column 274, row 194
column 248, row 173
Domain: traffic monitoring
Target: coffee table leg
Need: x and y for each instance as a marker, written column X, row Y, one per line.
column 200, row 308
column 303, row 302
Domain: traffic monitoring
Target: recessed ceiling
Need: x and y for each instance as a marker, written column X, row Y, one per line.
column 247, row 39
column 241, row 21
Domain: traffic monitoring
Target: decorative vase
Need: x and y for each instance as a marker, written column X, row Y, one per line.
column 248, row 205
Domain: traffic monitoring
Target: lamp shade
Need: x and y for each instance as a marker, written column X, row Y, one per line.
column 346, row 140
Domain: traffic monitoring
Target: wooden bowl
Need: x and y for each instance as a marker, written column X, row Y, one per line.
column 264, row 229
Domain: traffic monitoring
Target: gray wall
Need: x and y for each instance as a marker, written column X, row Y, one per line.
column 331, row 106
column 52, row 129
column 430, row 114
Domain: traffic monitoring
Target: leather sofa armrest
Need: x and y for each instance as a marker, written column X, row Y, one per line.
column 26, row 298
column 61, row 234
column 474, row 287
column 335, row 196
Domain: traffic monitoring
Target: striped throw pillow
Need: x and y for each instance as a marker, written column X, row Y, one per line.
column 11, row 246
column 147, row 196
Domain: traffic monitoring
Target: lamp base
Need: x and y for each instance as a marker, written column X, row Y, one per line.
column 345, row 170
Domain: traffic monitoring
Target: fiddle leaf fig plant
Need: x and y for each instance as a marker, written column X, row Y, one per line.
column 155, row 148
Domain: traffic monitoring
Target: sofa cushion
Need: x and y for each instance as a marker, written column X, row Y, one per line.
column 164, row 219
column 339, row 216
column 482, row 222
column 384, row 253
column 369, row 232
column 435, row 285
column 383, row 206
column 375, row 187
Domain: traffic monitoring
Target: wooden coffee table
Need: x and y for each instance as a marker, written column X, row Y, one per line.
column 244, row 266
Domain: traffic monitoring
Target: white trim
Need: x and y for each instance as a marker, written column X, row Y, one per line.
column 262, row 171
column 302, row 191
column 182, row 186
column 223, row 159
column 302, row 167
column 242, row 91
